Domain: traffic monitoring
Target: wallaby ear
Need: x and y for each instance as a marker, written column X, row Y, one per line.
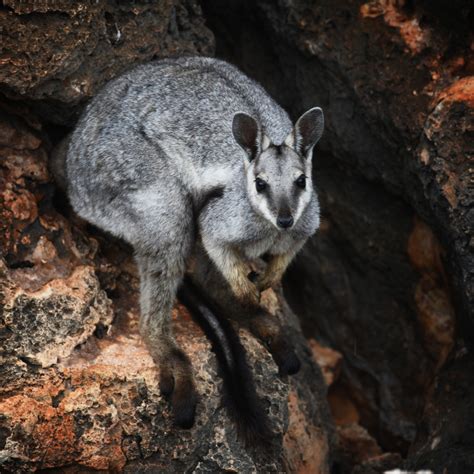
column 246, row 133
column 307, row 132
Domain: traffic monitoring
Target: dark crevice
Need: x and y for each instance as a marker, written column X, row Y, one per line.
column 355, row 284
column 15, row 264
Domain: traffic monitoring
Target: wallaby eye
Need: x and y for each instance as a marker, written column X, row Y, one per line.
column 260, row 185
column 301, row 181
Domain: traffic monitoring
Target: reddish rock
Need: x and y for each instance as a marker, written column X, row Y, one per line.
column 306, row 445
column 432, row 296
column 328, row 359
column 343, row 408
column 356, row 445
column 79, row 389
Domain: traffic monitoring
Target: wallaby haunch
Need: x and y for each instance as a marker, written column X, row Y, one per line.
column 190, row 152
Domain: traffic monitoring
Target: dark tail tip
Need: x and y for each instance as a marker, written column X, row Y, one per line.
column 242, row 401
column 251, row 423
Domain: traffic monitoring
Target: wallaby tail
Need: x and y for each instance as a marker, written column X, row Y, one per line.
column 240, row 396
column 57, row 163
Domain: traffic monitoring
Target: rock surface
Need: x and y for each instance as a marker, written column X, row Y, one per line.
column 79, row 390
column 58, row 54
column 387, row 283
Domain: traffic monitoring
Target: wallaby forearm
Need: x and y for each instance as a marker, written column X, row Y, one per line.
column 274, row 271
column 276, row 268
column 234, row 269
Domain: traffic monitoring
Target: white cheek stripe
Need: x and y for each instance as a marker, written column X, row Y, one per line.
column 304, row 201
column 260, row 203
column 265, row 142
column 257, row 200
column 266, row 212
column 306, row 196
column 290, row 139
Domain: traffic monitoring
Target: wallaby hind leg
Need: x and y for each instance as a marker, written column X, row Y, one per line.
column 268, row 329
column 160, row 277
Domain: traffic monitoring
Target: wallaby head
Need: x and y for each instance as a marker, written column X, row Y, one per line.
column 279, row 184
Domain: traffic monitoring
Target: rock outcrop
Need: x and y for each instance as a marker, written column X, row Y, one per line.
column 386, row 285
column 78, row 389
column 56, row 55
column 387, row 281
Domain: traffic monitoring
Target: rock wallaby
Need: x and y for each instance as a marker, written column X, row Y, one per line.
column 186, row 153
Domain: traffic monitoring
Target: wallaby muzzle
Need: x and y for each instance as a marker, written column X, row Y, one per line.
column 285, row 222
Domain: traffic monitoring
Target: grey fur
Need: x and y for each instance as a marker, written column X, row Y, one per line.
column 150, row 148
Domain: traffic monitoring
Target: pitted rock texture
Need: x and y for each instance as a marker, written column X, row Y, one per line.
column 59, row 53
column 100, row 408
column 50, row 298
column 79, row 390
column 48, row 324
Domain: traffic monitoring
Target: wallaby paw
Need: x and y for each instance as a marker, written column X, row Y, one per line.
column 284, row 356
column 177, row 386
column 266, row 281
column 184, row 408
column 290, row 365
column 183, row 399
column 247, row 293
column 166, row 382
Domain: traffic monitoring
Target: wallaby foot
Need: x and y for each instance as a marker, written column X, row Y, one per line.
column 266, row 328
column 177, row 386
column 159, row 279
column 285, row 357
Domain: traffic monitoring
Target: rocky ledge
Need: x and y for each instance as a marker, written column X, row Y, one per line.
column 79, row 390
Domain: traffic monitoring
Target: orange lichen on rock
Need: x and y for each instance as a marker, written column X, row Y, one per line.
column 414, row 36
column 448, row 130
column 461, row 90
column 22, row 205
column 328, row 359
column 43, row 434
column 50, row 436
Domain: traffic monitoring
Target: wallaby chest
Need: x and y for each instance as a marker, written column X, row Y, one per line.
column 275, row 243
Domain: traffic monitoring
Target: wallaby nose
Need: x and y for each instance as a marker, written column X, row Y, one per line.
column 285, row 222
